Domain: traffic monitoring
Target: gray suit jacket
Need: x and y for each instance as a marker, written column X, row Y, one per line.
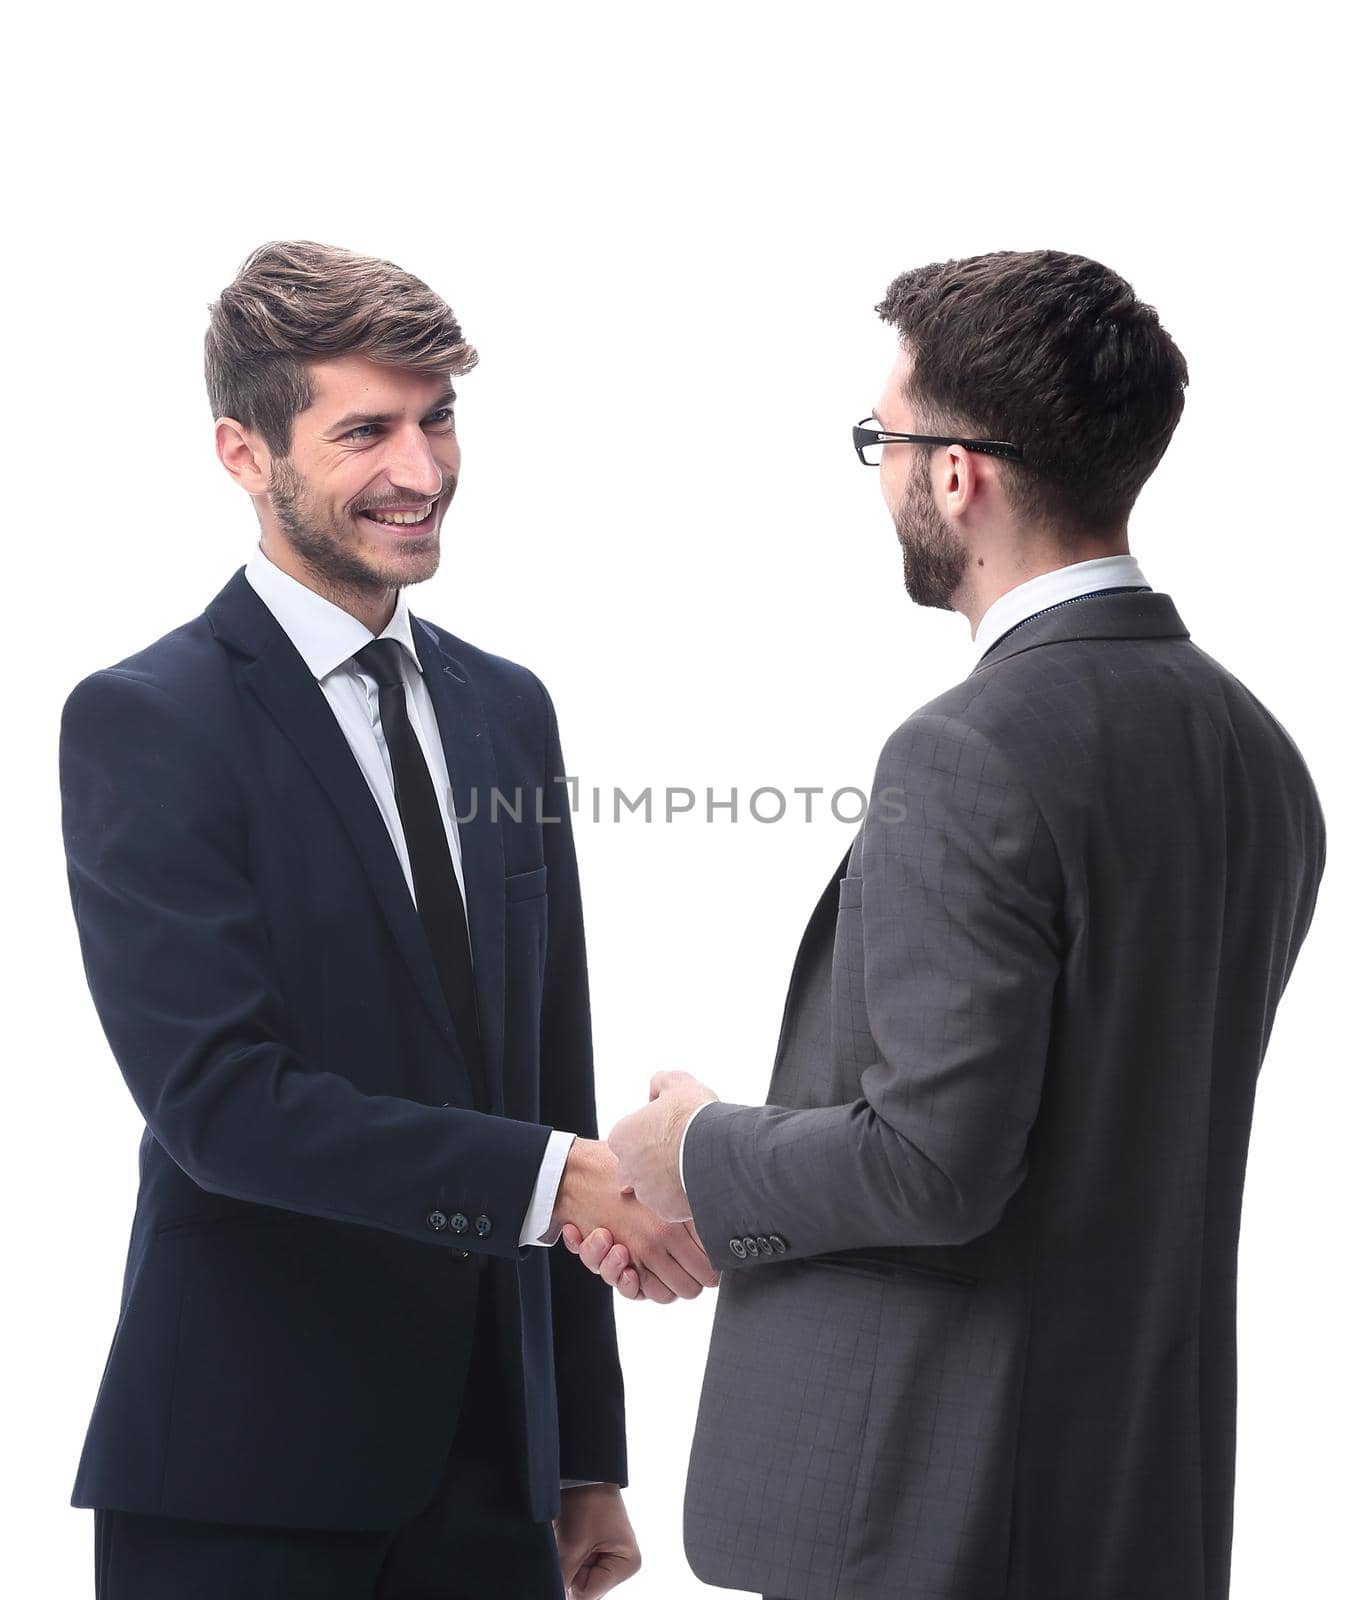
column 975, row 1334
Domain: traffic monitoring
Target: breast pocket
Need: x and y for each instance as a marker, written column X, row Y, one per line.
column 525, row 962
column 525, row 885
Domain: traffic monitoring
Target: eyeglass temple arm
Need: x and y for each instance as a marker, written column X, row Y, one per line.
column 990, row 447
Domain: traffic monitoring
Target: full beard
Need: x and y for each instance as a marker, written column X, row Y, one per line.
column 331, row 554
column 933, row 559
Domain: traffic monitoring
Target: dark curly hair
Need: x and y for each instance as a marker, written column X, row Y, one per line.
column 1055, row 353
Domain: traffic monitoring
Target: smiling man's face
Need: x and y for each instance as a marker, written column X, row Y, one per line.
column 376, row 439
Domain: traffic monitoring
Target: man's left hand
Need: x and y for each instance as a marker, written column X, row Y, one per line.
column 647, row 1143
column 594, row 1540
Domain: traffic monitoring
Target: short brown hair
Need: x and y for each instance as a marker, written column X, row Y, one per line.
column 1055, row 353
column 294, row 298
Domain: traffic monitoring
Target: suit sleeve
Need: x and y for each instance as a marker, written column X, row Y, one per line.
column 961, row 904
column 589, row 1389
column 176, row 954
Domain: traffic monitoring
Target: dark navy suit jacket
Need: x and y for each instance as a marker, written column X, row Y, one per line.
column 298, row 1302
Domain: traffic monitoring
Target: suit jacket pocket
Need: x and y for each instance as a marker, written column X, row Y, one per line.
column 526, row 885
column 876, row 1262
column 265, row 1217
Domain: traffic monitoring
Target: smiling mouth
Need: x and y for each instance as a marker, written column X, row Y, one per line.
column 417, row 519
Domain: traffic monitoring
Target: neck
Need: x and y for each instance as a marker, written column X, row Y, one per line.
column 996, row 568
column 371, row 604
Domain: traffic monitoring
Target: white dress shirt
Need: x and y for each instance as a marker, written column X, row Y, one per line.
column 326, row 637
column 1050, row 588
column 1016, row 605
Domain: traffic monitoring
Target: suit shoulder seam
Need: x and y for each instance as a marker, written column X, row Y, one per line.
column 193, row 731
column 1011, row 766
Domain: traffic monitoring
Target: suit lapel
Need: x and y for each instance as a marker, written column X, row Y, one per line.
column 275, row 673
column 822, row 924
column 470, row 758
column 292, row 696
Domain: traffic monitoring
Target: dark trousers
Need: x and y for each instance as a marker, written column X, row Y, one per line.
column 475, row 1537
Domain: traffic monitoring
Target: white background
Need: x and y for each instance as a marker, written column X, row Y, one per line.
column 665, row 229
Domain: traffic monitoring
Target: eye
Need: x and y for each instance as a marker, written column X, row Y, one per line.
column 444, row 412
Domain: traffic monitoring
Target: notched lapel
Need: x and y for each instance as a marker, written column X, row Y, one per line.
column 821, row 924
column 277, row 676
column 289, row 692
column 470, row 758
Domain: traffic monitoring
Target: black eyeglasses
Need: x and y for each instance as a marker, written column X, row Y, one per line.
column 873, row 439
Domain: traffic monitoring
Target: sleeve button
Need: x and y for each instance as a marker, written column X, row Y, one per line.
column 483, row 1226
column 458, row 1222
column 437, row 1220
column 738, row 1247
column 750, row 1245
column 778, row 1244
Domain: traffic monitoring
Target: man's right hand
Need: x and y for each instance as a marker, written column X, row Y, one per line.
column 660, row 1260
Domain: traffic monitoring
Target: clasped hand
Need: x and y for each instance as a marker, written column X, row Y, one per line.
column 665, row 1260
column 651, row 1250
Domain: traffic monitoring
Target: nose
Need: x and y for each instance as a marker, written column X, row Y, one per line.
column 412, row 467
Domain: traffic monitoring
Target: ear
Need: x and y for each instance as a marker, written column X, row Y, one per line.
column 955, row 479
column 242, row 455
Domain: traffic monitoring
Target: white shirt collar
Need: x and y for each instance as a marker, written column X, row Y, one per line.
column 1048, row 588
column 324, row 635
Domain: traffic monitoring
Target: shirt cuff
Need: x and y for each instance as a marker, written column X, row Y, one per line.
column 682, row 1143
column 537, row 1219
column 580, row 1483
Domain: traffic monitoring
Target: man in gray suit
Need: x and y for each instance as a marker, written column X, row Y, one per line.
column 975, row 1338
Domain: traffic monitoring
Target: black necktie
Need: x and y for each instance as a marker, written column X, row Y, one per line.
column 437, row 898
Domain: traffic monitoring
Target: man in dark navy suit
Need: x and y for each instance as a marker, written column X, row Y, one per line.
column 321, row 864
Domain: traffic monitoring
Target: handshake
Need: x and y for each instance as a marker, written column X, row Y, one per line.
column 621, row 1204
